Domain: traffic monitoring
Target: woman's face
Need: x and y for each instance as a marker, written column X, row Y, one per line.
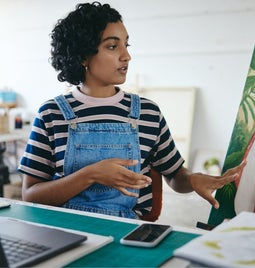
column 109, row 66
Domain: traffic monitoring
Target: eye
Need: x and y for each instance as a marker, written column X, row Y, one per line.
column 112, row 47
column 128, row 45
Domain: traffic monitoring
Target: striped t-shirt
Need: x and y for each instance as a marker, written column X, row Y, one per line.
column 45, row 151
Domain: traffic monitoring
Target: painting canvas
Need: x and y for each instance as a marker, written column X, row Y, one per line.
column 240, row 195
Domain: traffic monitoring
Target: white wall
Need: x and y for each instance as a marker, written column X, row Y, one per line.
column 199, row 43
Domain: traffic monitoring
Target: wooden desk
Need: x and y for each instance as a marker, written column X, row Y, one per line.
column 113, row 254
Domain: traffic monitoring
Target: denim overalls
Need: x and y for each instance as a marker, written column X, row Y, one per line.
column 89, row 143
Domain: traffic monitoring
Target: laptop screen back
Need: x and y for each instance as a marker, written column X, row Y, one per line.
column 18, row 238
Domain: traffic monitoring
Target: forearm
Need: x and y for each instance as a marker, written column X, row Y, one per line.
column 55, row 192
column 181, row 181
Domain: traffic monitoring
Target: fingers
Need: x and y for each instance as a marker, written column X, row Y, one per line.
column 207, row 195
column 128, row 176
column 218, row 184
column 131, row 178
column 124, row 162
column 229, row 176
column 126, row 192
column 114, row 172
column 213, row 183
column 225, row 180
column 238, row 169
column 135, row 184
column 214, row 203
column 134, row 179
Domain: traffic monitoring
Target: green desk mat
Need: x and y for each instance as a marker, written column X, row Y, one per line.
column 113, row 254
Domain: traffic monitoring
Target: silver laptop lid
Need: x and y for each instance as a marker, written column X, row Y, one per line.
column 18, row 238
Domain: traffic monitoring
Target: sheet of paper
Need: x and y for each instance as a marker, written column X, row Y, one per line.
column 231, row 244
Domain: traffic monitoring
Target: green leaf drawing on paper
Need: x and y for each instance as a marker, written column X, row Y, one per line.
column 251, row 262
column 212, row 244
column 218, row 255
column 239, row 228
column 248, row 102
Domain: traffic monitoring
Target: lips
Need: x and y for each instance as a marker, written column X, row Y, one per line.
column 123, row 69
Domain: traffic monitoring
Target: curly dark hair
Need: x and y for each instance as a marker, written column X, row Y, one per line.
column 77, row 37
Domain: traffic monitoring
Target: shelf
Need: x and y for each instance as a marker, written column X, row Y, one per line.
column 8, row 105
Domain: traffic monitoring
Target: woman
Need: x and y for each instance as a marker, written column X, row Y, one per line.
column 93, row 148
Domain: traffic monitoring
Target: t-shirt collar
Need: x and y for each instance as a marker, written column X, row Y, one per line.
column 93, row 101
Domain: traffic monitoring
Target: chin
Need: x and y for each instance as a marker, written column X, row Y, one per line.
column 120, row 82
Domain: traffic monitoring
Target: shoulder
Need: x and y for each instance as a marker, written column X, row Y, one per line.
column 146, row 104
column 51, row 105
column 149, row 104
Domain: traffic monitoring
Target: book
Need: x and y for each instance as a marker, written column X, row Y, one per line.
column 230, row 244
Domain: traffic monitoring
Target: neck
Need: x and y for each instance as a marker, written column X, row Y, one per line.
column 102, row 92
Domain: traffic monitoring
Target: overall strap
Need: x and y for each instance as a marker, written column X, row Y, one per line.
column 135, row 106
column 65, row 107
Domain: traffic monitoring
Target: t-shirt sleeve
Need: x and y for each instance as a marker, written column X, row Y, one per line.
column 37, row 159
column 166, row 156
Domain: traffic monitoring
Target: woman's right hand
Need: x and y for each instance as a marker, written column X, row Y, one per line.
column 113, row 172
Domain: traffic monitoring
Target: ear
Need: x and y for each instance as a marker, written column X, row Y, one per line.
column 84, row 63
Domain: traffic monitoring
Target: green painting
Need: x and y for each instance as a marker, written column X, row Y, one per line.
column 240, row 146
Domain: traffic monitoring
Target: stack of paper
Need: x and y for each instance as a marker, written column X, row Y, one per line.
column 231, row 244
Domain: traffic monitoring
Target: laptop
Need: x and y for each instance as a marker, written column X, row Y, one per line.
column 24, row 244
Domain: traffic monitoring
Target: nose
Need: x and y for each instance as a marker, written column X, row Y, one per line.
column 125, row 56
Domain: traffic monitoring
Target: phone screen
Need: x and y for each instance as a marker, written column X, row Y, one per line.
column 147, row 232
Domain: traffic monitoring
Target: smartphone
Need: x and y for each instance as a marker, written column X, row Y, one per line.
column 146, row 235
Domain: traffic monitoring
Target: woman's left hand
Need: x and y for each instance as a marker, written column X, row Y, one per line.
column 205, row 185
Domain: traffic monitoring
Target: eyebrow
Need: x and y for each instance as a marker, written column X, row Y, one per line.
column 112, row 37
